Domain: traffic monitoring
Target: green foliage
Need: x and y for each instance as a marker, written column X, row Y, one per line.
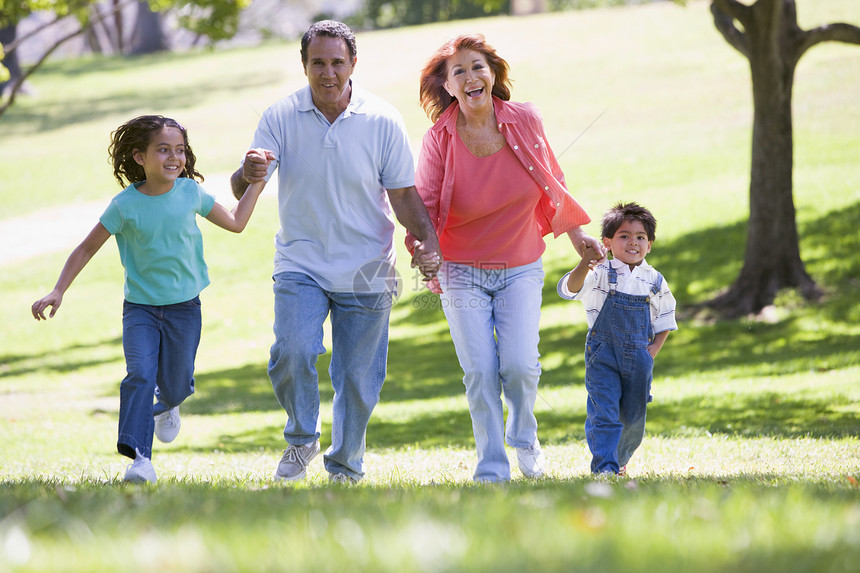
column 561, row 5
column 394, row 13
column 4, row 72
column 215, row 19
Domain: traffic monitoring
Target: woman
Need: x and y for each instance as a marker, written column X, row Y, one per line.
column 493, row 188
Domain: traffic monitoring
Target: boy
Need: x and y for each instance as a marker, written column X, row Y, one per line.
column 630, row 311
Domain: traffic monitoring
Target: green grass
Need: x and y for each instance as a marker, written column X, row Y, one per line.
column 752, row 457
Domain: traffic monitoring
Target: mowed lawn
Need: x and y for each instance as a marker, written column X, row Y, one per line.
column 751, row 459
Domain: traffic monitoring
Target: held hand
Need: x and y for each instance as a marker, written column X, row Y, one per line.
column 52, row 299
column 427, row 261
column 590, row 254
column 256, row 165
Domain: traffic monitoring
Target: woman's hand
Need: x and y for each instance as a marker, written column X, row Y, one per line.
column 427, row 261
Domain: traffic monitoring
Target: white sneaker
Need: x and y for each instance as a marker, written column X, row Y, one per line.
column 167, row 425
column 531, row 460
column 294, row 463
column 140, row 470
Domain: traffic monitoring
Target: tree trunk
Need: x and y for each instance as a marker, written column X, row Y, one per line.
column 772, row 258
column 148, row 32
column 8, row 34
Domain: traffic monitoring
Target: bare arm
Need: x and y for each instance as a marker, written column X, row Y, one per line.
column 74, row 265
column 579, row 239
column 412, row 214
column 237, row 219
column 657, row 344
column 254, row 169
column 590, row 258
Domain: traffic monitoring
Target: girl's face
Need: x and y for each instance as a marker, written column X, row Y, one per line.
column 470, row 79
column 630, row 243
column 163, row 160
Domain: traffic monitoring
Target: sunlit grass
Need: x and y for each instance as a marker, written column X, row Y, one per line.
column 751, row 460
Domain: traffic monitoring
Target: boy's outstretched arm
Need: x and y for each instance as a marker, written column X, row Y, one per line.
column 74, row 264
column 657, row 344
column 590, row 257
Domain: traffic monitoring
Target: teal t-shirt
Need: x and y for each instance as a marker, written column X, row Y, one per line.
column 160, row 245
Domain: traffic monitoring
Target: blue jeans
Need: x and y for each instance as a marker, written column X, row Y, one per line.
column 160, row 345
column 494, row 318
column 359, row 323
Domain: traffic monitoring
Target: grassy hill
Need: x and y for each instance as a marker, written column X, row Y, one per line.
column 751, row 460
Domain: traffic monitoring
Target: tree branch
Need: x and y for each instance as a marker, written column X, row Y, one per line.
column 17, row 84
column 838, row 32
column 11, row 47
column 725, row 13
column 733, row 8
column 20, row 81
column 58, row 17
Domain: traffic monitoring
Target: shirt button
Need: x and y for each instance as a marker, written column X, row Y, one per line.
column 500, row 126
column 546, row 188
column 531, row 168
column 516, row 146
column 537, row 146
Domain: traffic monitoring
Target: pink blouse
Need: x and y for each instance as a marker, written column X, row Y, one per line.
column 522, row 127
column 492, row 221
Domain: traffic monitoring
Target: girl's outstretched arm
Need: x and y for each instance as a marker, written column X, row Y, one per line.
column 74, row 264
column 238, row 218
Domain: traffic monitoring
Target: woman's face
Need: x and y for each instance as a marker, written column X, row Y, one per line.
column 470, row 79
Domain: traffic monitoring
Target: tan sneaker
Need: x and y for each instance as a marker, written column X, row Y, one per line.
column 294, row 463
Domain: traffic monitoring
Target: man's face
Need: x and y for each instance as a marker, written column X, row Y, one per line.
column 328, row 69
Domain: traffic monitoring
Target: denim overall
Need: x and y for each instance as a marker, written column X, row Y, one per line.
column 618, row 372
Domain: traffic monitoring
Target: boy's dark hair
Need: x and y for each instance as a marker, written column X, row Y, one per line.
column 332, row 29
column 136, row 135
column 621, row 212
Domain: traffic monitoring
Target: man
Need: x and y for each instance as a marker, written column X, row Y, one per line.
column 344, row 164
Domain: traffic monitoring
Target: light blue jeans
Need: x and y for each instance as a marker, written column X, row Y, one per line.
column 494, row 318
column 160, row 345
column 359, row 324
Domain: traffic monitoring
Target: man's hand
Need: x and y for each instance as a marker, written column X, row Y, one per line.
column 256, row 165
column 426, row 258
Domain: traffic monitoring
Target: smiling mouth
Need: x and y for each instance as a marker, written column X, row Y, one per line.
column 475, row 92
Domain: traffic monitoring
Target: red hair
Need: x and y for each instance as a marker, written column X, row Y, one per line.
column 433, row 96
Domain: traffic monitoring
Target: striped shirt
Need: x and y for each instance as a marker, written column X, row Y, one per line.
column 636, row 282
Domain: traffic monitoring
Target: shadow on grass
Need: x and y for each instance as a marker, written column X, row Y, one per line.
column 59, row 110
column 767, row 414
column 57, row 361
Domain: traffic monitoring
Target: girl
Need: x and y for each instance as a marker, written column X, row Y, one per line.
column 161, row 250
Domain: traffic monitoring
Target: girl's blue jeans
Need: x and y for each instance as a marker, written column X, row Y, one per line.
column 494, row 318
column 359, row 338
column 160, row 345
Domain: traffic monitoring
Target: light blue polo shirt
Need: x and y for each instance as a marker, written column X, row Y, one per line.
column 160, row 245
column 335, row 215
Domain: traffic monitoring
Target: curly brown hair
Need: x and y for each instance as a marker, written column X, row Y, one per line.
column 433, row 96
column 136, row 135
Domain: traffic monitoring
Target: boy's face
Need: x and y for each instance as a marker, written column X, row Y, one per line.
column 630, row 243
